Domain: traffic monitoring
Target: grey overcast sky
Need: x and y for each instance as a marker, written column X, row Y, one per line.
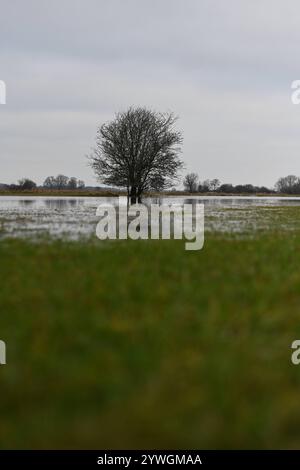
column 225, row 67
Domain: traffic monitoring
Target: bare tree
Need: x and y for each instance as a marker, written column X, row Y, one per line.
column 190, row 182
column 138, row 150
column 72, row 183
column 26, row 184
column 80, row 184
column 288, row 184
column 214, row 184
column 62, row 181
column 50, row 182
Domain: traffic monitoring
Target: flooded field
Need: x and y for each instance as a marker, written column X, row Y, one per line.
column 75, row 218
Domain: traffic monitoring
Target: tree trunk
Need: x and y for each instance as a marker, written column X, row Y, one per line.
column 139, row 195
column 133, row 195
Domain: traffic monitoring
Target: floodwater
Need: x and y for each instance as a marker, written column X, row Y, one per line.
column 75, row 217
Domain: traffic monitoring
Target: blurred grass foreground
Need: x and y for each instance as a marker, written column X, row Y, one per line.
column 145, row 345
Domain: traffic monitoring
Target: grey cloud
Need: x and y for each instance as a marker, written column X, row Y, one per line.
column 224, row 67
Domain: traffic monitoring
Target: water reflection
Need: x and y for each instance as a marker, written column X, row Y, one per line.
column 26, row 203
column 62, row 204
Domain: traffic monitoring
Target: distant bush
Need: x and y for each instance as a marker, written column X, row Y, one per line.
column 26, row 184
column 243, row 188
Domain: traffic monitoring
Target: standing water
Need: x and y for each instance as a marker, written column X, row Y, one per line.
column 75, row 217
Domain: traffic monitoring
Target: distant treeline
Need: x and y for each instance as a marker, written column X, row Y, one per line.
column 193, row 185
column 286, row 185
column 63, row 182
column 51, row 182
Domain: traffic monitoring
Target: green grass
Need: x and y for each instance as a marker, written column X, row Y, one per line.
column 145, row 345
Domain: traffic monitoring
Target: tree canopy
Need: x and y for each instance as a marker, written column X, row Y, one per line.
column 138, row 150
